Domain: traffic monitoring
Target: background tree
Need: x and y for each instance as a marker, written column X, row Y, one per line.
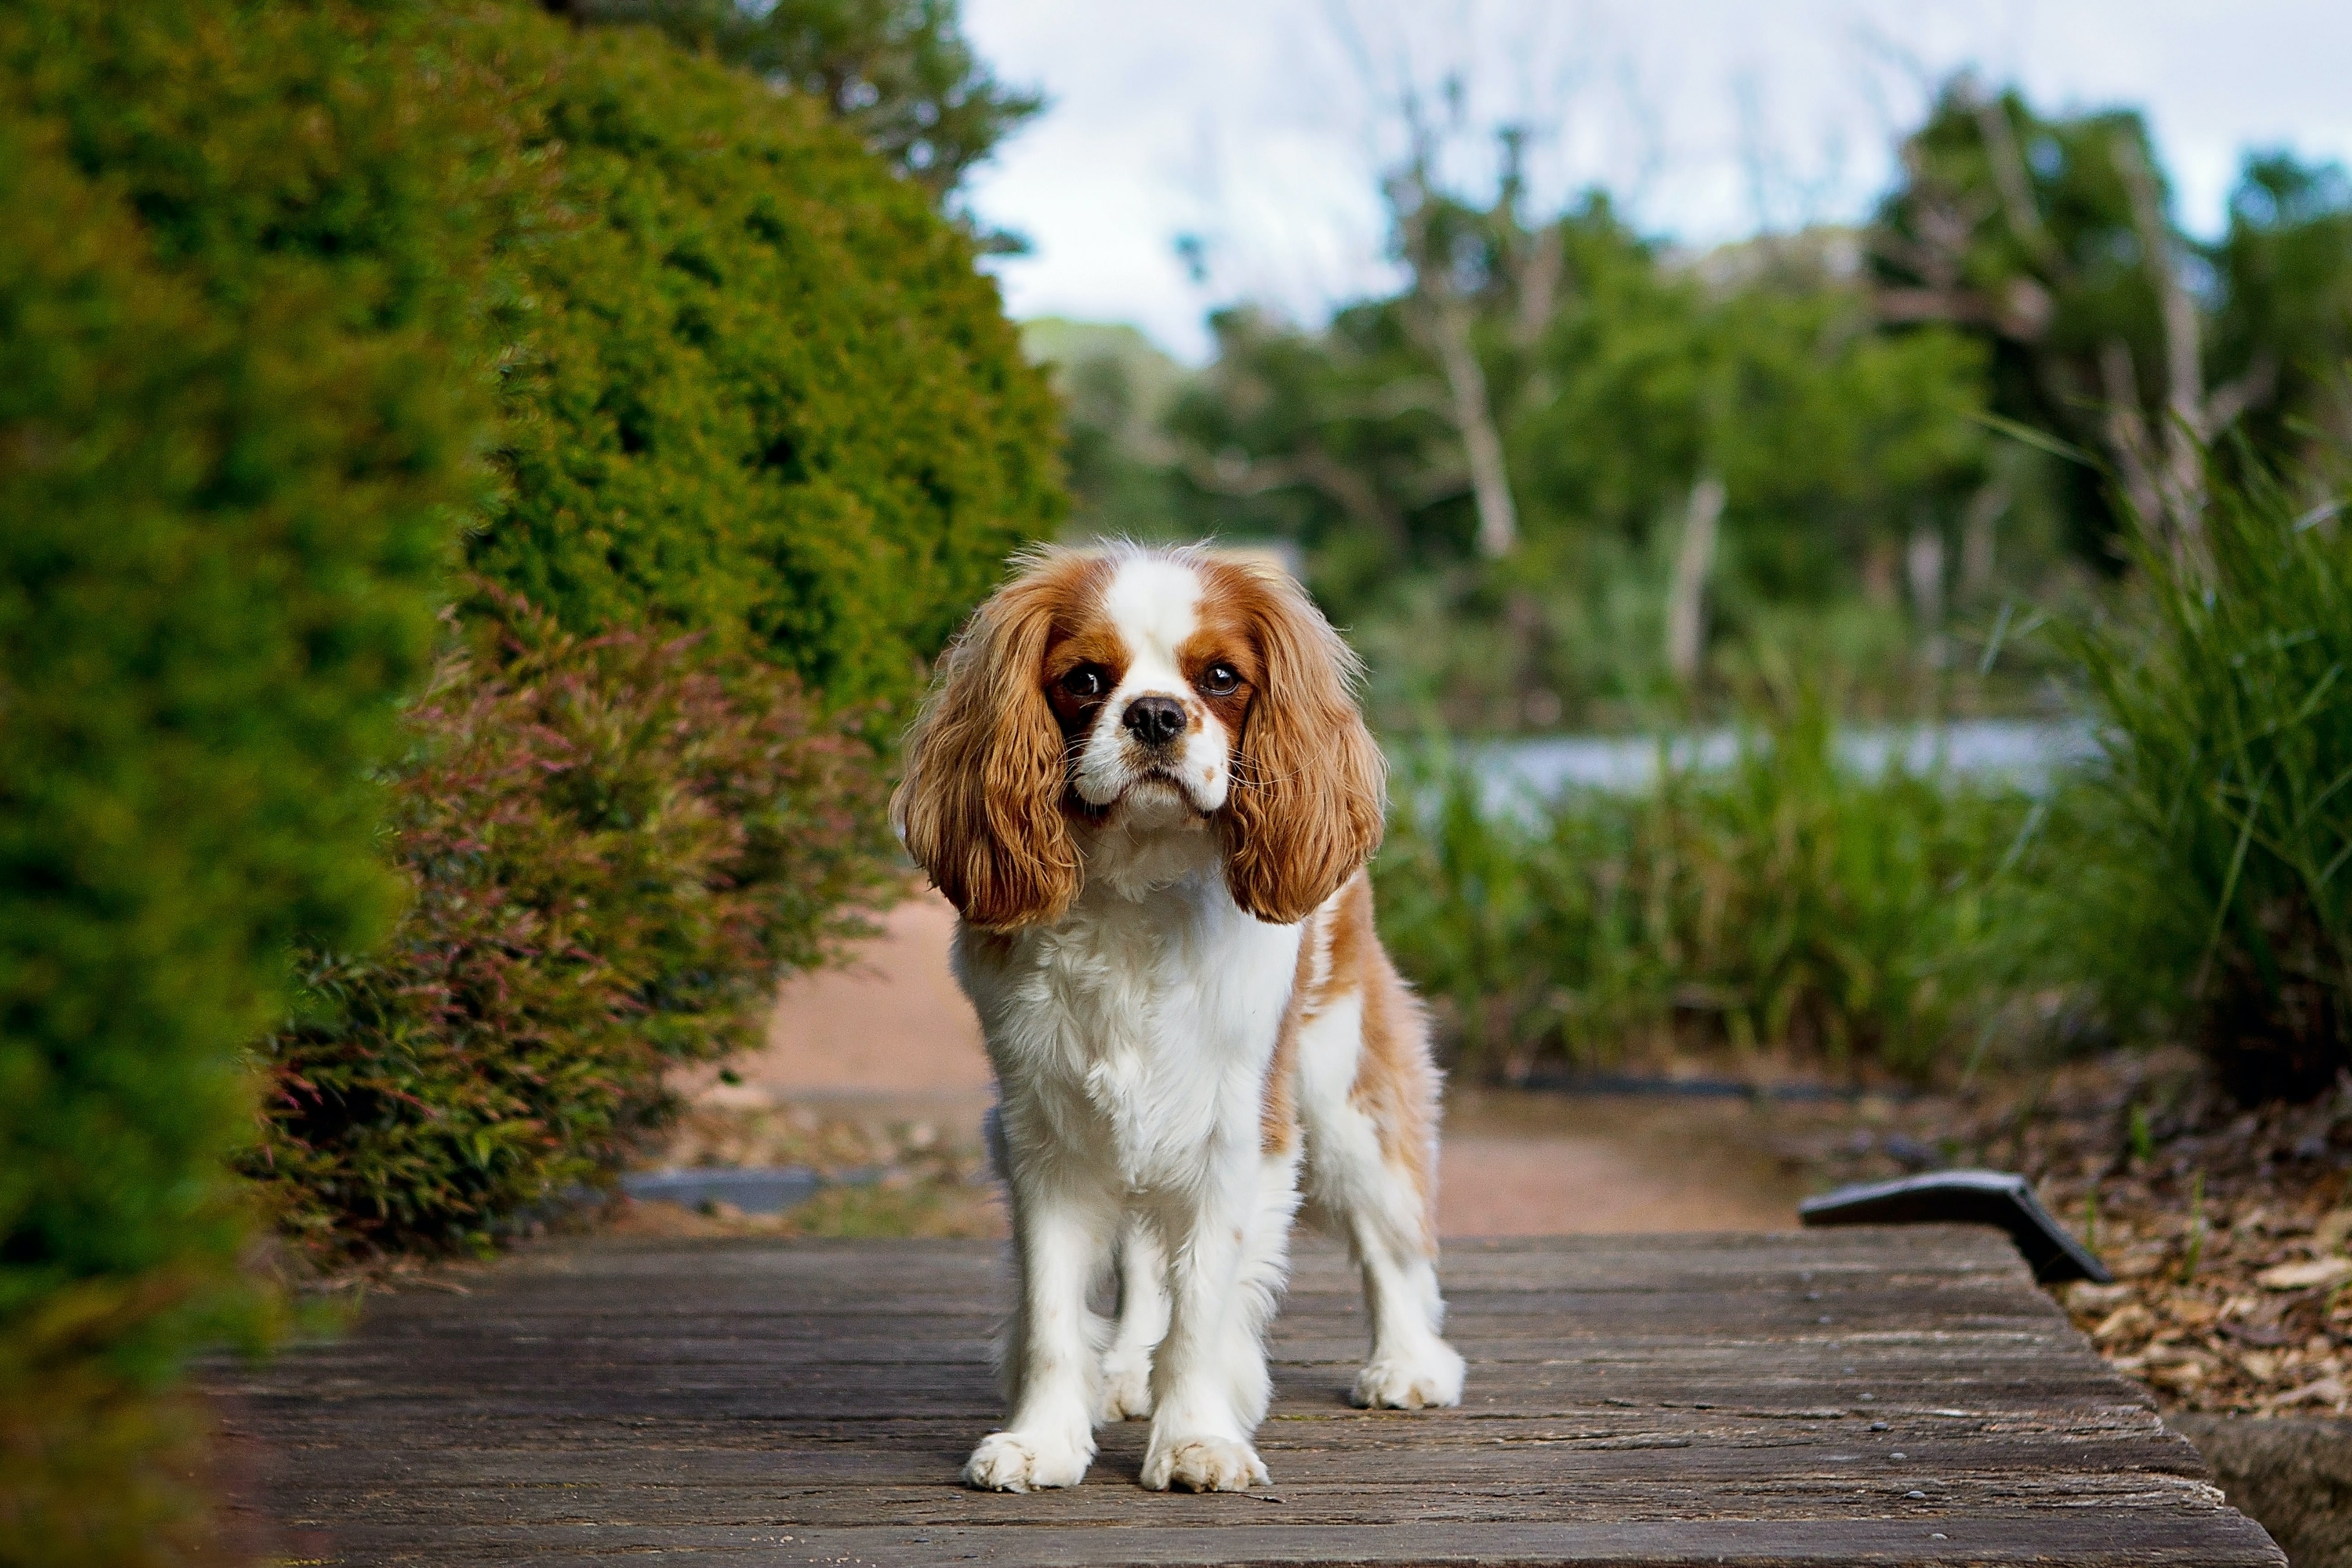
column 1642, row 403
column 1565, row 470
column 900, row 73
column 2053, row 240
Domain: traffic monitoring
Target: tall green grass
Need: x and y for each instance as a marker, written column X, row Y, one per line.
column 2196, row 875
column 1788, row 905
column 2191, row 882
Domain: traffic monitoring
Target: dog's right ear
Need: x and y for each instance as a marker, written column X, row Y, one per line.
column 980, row 807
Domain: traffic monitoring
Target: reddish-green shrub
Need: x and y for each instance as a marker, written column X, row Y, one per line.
column 615, row 845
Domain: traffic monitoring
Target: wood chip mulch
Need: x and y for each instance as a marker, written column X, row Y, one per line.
column 2226, row 1227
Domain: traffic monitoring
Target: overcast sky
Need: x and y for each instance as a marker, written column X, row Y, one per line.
column 1258, row 126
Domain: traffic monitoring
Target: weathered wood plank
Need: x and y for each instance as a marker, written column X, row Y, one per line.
column 1848, row 1397
column 2085, row 1537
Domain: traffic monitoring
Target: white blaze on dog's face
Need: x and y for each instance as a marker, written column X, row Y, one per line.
column 1152, row 691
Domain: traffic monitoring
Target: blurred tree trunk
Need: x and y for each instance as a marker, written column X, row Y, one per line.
column 1441, row 319
column 1923, row 564
column 1686, row 599
column 2049, row 236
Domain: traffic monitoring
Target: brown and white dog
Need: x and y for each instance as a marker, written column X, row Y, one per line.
column 1144, row 780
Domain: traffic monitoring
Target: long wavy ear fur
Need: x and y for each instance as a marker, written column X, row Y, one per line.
column 1309, row 787
column 980, row 806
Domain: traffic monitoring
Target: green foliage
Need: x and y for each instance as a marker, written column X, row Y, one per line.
column 1116, row 390
column 765, row 432
column 751, row 390
column 1787, row 904
column 898, row 73
column 1636, row 377
column 2197, row 875
column 1844, row 389
column 233, row 438
column 2288, row 260
column 614, row 846
column 757, row 389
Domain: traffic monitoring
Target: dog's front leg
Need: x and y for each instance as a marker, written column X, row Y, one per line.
column 1051, row 1353
column 1207, row 1381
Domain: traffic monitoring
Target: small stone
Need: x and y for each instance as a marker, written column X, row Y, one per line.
column 2086, row 1297
column 1878, row 1426
column 1901, row 1456
column 1908, row 1152
column 2327, row 1390
column 1937, row 1535
column 1914, row 1494
column 2310, row 1274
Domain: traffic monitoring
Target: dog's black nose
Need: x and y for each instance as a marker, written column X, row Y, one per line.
column 1154, row 720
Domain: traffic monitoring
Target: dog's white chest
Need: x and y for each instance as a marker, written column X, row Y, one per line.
column 1139, row 1029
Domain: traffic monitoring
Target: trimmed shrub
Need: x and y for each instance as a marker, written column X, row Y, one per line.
column 757, row 388
column 2197, row 875
column 753, row 392
column 615, row 845
column 1787, row 904
column 762, row 415
column 232, row 434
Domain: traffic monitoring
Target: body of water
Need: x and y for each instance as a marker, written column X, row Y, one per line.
column 2027, row 754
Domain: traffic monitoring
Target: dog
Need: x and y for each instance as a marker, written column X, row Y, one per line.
column 1144, row 780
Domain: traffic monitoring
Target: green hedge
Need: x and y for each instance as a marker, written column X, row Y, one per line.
column 754, row 394
column 759, row 388
column 274, row 278
column 232, row 438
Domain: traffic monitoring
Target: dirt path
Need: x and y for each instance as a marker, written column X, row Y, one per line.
column 892, row 1037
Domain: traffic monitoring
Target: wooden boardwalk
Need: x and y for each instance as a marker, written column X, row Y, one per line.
column 1831, row 1397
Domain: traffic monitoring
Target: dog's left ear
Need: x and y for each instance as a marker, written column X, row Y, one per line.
column 1309, row 787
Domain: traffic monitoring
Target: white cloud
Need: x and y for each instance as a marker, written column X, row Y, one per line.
column 1253, row 125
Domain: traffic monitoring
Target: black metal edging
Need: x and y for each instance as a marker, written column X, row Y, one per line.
column 1999, row 1198
column 1598, row 1084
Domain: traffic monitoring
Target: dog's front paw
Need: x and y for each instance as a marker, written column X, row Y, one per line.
column 1202, row 1465
column 1025, row 1462
column 1126, row 1387
column 1429, row 1375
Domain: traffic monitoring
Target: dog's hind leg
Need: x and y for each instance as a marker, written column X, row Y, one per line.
column 1265, row 1270
column 1143, row 1323
column 1368, row 1095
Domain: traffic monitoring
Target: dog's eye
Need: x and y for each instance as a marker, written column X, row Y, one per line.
column 1221, row 680
column 1083, row 681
